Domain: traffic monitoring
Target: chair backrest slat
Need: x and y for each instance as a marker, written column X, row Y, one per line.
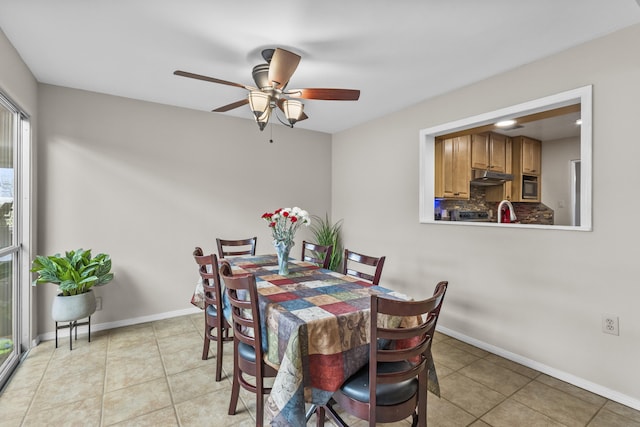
column 316, row 254
column 236, row 247
column 353, row 259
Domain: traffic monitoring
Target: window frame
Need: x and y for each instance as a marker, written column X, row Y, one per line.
column 21, row 328
column 582, row 95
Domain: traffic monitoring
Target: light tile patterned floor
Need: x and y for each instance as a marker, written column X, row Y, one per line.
column 152, row 375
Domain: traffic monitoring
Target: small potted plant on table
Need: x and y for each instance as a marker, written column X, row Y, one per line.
column 75, row 273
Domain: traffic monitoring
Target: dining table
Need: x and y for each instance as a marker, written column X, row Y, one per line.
column 315, row 328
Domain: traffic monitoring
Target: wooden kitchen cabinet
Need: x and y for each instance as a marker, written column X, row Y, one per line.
column 527, row 169
column 488, row 151
column 527, row 152
column 497, row 193
column 452, row 167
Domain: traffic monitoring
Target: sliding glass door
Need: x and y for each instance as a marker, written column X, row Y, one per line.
column 14, row 126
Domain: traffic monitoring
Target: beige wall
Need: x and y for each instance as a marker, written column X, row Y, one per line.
column 16, row 80
column 556, row 176
column 146, row 183
column 535, row 295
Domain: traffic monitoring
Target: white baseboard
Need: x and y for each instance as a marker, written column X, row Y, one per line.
column 47, row 336
column 561, row 375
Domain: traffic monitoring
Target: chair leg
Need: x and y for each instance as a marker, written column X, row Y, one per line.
column 337, row 419
column 420, row 414
column 205, row 348
column 235, row 392
column 259, row 402
column 414, row 420
column 320, row 416
column 219, row 356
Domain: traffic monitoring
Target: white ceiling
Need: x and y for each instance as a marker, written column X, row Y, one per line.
column 396, row 52
column 548, row 129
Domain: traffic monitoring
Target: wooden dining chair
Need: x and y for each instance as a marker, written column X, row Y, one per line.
column 316, row 254
column 393, row 385
column 216, row 327
column 236, row 247
column 247, row 349
column 353, row 266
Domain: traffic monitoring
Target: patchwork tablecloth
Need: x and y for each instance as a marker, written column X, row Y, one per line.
column 316, row 323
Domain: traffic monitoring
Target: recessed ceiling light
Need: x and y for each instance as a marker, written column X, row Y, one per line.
column 578, row 122
column 505, row 123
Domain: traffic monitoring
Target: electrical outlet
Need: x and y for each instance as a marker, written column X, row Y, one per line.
column 98, row 303
column 610, row 324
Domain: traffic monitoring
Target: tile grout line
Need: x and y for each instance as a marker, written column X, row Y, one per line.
column 35, row 392
column 104, row 385
column 536, row 379
column 600, row 409
column 166, row 377
column 506, row 397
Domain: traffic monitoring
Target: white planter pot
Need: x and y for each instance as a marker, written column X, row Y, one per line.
column 73, row 307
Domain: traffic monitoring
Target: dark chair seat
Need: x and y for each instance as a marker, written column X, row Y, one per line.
column 247, row 352
column 211, row 310
column 357, row 386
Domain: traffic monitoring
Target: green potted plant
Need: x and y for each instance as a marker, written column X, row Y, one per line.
column 327, row 234
column 75, row 273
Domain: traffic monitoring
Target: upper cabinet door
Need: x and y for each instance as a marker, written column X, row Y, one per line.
column 480, row 151
column 531, row 158
column 453, row 173
column 497, row 152
column 488, row 151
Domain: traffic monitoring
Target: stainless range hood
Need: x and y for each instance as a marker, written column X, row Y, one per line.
column 486, row 177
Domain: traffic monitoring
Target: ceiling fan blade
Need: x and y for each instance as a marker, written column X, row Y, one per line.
column 210, row 79
column 282, row 66
column 325, row 94
column 231, row 106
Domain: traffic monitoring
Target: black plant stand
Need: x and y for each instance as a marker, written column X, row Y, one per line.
column 73, row 325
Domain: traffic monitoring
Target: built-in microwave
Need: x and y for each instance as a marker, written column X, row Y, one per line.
column 529, row 187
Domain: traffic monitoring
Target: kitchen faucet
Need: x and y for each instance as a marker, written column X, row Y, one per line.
column 512, row 214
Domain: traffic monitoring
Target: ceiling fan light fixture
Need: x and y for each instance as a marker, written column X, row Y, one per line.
column 259, row 102
column 271, row 94
column 293, row 110
column 264, row 118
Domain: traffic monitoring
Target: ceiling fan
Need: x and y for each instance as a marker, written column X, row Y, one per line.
column 271, row 94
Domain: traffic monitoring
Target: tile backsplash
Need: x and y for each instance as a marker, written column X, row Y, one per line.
column 527, row 213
